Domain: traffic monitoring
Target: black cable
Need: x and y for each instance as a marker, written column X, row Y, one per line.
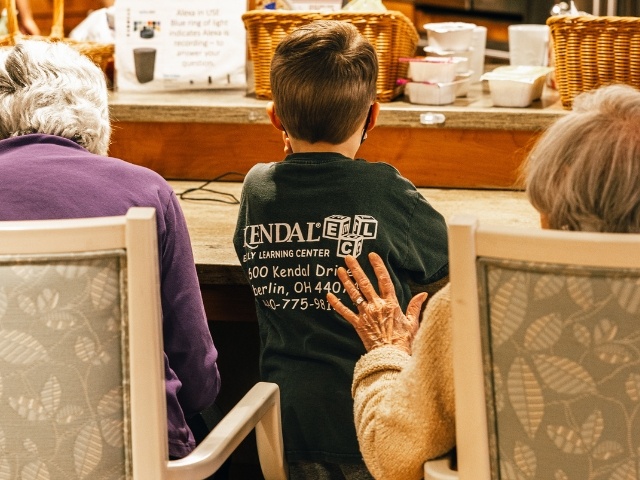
column 228, row 198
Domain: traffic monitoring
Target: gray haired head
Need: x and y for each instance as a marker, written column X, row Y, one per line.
column 49, row 88
column 584, row 171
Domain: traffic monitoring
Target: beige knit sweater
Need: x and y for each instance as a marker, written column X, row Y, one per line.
column 404, row 405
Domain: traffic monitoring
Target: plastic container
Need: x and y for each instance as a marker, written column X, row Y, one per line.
column 434, row 93
column 456, row 36
column 463, row 81
column 478, row 50
column 516, row 86
column 432, row 52
column 435, row 69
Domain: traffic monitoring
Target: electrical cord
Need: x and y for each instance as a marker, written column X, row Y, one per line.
column 190, row 194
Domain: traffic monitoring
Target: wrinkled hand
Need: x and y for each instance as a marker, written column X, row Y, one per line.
column 379, row 320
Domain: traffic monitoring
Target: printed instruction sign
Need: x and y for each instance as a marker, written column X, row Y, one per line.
column 176, row 45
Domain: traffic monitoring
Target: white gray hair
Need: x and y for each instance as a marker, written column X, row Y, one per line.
column 584, row 171
column 49, row 88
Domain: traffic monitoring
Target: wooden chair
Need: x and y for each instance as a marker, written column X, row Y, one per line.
column 81, row 359
column 546, row 340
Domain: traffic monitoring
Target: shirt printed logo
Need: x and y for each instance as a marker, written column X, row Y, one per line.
column 349, row 237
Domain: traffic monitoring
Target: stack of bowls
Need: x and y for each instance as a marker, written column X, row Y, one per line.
column 455, row 39
column 449, row 38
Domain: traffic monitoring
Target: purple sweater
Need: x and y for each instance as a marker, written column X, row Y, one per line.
column 48, row 177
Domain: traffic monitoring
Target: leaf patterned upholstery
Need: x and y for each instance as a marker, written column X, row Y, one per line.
column 561, row 350
column 63, row 371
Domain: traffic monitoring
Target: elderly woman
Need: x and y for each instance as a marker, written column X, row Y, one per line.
column 54, row 136
column 581, row 175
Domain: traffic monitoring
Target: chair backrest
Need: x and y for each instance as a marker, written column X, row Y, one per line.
column 546, row 328
column 81, row 377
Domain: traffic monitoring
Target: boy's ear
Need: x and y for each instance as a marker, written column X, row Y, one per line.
column 275, row 121
column 375, row 110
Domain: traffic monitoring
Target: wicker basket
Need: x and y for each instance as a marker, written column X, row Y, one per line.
column 591, row 52
column 100, row 53
column 391, row 33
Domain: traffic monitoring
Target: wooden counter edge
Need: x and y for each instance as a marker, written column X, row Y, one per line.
column 474, row 113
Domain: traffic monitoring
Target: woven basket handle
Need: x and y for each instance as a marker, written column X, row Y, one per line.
column 57, row 25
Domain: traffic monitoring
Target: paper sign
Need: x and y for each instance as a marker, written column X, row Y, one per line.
column 176, row 45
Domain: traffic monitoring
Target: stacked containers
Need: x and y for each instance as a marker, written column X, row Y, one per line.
column 444, row 73
column 436, row 81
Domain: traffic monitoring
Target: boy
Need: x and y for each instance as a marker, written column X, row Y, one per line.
column 300, row 217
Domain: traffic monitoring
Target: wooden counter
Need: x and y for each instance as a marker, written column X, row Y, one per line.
column 473, row 112
column 201, row 135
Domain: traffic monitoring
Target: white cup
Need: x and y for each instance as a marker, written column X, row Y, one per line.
column 478, row 44
column 529, row 45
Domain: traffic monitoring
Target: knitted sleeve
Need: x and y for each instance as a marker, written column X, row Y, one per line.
column 404, row 405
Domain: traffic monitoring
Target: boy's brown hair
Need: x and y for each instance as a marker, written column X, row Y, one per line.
column 323, row 80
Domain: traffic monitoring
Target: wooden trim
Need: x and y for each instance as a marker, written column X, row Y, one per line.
column 428, row 157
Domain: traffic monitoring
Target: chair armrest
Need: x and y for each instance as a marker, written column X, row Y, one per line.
column 259, row 409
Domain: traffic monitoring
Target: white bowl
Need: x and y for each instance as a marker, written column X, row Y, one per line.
column 456, row 36
column 516, row 86
column 434, row 93
column 463, row 57
column 434, row 69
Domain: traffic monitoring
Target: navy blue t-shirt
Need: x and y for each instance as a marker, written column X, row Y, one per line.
column 298, row 219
